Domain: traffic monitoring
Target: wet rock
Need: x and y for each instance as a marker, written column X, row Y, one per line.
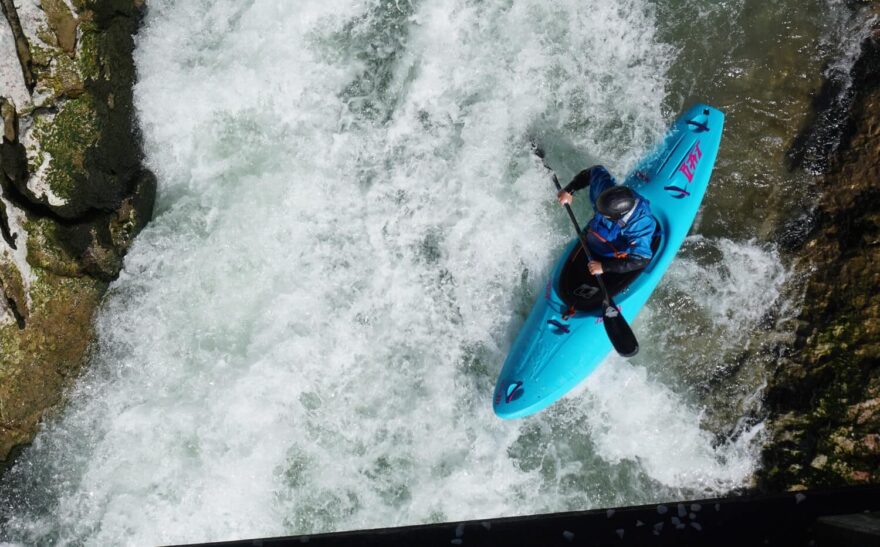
column 860, row 476
column 823, row 399
column 40, row 360
column 871, row 443
column 22, row 47
column 73, row 195
column 864, row 411
column 10, row 120
column 63, row 24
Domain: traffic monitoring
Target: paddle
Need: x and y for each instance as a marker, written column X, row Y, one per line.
column 619, row 332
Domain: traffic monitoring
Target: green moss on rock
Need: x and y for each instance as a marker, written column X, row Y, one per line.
column 87, row 59
column 64, row 78
column 40, row 360
column 12, row 288
column 88, row 147
column 832, row 379
column 41, row 55
column 62, row 22
column 45, row 250
column 67, row 139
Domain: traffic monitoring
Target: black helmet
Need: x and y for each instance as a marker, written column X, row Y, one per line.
column 616, row 202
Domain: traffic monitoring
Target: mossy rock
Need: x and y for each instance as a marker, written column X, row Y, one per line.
column 88, row 60
column 62, row 77
column 89, row 148
column 62, row 23
column 80, row 170
column 105, row 10
column 86, row 138
column 833, row 388
column 43, row 358
column 12, row 289
column 46, row 251
column 66, row 138
column 135, row 212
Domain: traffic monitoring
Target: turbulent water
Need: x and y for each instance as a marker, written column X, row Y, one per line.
column 350, row 231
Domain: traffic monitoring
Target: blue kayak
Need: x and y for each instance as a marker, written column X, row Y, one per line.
column 563, row 339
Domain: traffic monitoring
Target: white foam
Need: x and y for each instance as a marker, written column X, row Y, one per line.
column 733, row 285
column 642, row 420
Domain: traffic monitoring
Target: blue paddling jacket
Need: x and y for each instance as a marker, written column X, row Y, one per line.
column 620, row 245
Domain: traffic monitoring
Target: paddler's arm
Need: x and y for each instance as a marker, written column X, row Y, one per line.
column 579, row 182
column 620, row 265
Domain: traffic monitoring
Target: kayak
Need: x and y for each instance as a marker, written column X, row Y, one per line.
column 563, row 339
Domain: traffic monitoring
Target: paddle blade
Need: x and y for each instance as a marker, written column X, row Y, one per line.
column 619, row 332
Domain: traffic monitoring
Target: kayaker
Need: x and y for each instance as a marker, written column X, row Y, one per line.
column 620, row 234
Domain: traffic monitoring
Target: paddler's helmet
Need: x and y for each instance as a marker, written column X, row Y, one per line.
column 615, row 202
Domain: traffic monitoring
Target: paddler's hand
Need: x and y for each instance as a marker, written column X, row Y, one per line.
column 564, row 197
column 595, row 267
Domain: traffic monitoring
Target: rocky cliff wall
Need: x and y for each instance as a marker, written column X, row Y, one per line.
column 824, row 397
column 73, row 192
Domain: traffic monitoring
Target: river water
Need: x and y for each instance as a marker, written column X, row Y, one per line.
column 350, row 231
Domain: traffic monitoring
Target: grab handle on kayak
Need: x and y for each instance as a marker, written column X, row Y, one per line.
column 513, row 392
column 698, row 125
column 563, row 327
column 679, row 192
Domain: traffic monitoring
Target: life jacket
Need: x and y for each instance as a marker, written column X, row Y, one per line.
column 631, row 235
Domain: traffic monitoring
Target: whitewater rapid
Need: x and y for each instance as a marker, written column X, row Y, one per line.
column 350, row 231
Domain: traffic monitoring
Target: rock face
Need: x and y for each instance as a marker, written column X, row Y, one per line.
column 824, row 399
column 73, row 192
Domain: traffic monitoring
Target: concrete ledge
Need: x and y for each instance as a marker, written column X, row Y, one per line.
column 790, row 518
column 858, row 530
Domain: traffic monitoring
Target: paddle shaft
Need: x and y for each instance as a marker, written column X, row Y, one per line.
column 606, row 297
column 619, row 332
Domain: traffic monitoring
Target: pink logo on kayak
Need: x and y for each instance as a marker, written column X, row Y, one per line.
column 690, row 162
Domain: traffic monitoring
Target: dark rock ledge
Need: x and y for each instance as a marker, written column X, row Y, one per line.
column 73, row 192
column 824, row 396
